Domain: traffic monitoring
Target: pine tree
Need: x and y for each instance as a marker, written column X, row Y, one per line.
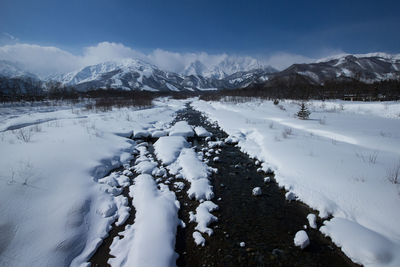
column 303, row 113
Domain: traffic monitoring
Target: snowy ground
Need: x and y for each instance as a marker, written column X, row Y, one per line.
column 53, row 208
column 341, row 162
column 57, row 204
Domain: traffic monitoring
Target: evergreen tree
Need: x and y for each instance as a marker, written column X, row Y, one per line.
column 303, row 113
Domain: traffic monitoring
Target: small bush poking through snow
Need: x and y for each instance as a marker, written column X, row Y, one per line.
column 301, row 239
column 393, row 174
column 256, row 191
column 281, row 107
column 23, row 134
column 286, row 132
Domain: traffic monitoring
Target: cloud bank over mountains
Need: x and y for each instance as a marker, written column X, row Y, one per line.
column 48, row 60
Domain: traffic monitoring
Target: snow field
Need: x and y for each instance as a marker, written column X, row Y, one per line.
column 338, row 162
column 56, row 205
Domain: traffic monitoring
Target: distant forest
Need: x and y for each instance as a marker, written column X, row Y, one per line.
column 349, row 90
column 295, row 89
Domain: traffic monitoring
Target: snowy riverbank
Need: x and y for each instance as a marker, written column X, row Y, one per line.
column 340, row 162
column 52, row 207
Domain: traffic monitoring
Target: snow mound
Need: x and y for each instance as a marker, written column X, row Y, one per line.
column 199, row 239
column 312, row 220
column 213, row 144
column 231, row 140
column 141, row 134
column 181, row 128
column 376, row 250
column 106, row 209
column 290, row 196
column 145, row 167
column 256, row 191
column 153, row 232
column 167, row 148
column 195, row 172
column 157, row 134
column 301, row 239
column 203, row 217
column 201, row 132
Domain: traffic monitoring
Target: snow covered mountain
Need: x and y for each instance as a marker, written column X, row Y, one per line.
column 127, row 74
column 15, row 80
column 134, row 74
column 225, row 67
column 14, row 70
column 366, row 68
column 130, row 74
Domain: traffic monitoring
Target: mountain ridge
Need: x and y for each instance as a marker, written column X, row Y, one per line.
column 136, row 74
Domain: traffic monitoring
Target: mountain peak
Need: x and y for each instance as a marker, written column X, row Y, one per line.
column 14, row 69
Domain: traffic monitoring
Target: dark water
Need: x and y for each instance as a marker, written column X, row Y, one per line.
column 266, row 223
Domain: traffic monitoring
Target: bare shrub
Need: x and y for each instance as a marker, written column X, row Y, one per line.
column 281, row 107
column 360, row 179
column 89, row 106
column 287, row 132
column 322, row 121
column 37, row 128
column 271, row 125
column 22, row 174
column 128, row 117
column 23, row 134
column 384, row 134
column 393, row 174
column 12, row 177
column 371, row 158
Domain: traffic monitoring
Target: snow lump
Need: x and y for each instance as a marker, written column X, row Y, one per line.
column 256, row 191
column 301, row 239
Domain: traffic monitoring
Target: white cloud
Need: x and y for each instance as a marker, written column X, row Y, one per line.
column 177, row 62
column 107, row 51
column 41, row 60
column 282, row 60
column 46, row 60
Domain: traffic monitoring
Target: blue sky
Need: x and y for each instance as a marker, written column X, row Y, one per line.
column 241, row 27
column 278, row 32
